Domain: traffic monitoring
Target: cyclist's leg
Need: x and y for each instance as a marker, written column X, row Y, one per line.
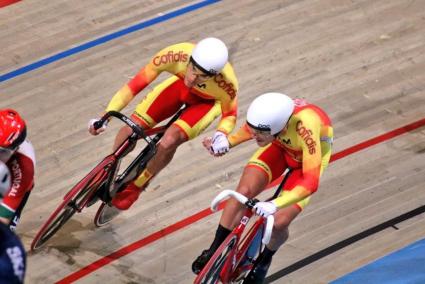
column 197, row 116
column 255, row 177
column 265, row 165
column 154, row 108
column 251, row 184
column 283, row 218
column 195, row 119
column 192, row 122
column 280, row 234
column 159, row 104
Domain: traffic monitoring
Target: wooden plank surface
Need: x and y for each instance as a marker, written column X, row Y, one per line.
column 361, row 61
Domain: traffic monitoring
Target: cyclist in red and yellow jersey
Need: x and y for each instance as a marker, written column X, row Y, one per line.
column 203, row 80
column 292, row 135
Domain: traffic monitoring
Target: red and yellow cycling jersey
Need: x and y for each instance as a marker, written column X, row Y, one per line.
column 306, row 143
column 174, row 59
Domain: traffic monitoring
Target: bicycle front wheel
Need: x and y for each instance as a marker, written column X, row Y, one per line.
column 216, row 266
column 74, row 201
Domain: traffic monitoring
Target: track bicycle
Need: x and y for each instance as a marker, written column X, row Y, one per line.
column 103, row 181
column 235, row 257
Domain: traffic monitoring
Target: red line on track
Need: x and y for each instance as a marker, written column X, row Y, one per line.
column 378, row 139
column 4, row 3
column 206, row 212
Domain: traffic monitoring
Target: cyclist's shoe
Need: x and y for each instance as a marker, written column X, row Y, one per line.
column 125, row 198
column 256, row 275
column 201, row 261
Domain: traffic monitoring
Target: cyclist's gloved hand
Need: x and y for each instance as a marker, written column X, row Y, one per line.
column 96, row 131
column 219, row 144
column 265, row 209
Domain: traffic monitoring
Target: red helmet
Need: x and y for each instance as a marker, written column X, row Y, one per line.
column 12, row 130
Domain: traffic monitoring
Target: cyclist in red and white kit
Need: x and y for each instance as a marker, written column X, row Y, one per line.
column 12, row 252
column 18, row 154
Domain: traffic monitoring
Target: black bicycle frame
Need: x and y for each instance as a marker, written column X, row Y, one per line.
column 140, row 162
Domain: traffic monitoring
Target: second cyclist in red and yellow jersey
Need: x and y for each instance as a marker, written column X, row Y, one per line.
column 202, row 79
column 294, row 135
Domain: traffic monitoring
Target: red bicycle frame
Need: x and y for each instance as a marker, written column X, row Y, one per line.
column 232, row 269
column 230, row 260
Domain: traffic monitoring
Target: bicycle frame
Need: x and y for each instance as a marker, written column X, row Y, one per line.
column 101, row 182
column 234, row 247
column 245, row 244
column 235, row 264
column 140, row 162
column 230, row 269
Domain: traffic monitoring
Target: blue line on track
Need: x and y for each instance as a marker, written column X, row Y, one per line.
column 103, row 39
column 401, row 267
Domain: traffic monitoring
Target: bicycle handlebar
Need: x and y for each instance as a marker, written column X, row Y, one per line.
column 136, row 128
column 224, row 194
column 250, row 203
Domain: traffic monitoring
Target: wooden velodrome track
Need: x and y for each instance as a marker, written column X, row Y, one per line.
column 362, row 61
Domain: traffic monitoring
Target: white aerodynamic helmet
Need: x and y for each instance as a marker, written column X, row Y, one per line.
column 210, row 55
column 270, row 112
column 5, row 179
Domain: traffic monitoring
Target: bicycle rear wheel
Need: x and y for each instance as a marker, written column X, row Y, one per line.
column 214, row 268
column 75, row 200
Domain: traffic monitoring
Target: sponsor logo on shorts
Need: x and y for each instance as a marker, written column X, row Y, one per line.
column 306, row 134
column 170, row 57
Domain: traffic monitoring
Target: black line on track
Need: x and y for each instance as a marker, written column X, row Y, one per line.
column 344, row 243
